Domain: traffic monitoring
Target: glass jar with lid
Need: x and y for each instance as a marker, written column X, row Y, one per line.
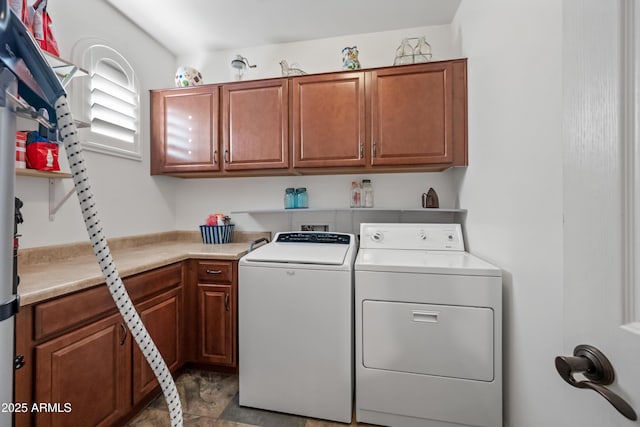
column 302, row 199
column 289, row 198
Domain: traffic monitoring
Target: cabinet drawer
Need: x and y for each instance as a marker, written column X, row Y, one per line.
column 215, row 271
column 60, row 314
column 154, row 281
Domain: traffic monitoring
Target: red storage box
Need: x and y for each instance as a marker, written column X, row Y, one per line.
column 43, row 155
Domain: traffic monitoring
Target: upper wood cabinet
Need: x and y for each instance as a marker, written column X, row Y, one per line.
column 184, row 130
column 255, row 123
column 329, row 120
column 417, row 113
column 405, row 118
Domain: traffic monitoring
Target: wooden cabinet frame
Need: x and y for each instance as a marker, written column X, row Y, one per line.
column 80, row 338
column 329, row 120
column 181, row 305
column 66, row 372
column 184, row 130
column 346, row 122
column 163, row 319
column 255, row 125
column 215, row 301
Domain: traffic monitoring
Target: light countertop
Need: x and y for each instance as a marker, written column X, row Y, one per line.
column 45, row 277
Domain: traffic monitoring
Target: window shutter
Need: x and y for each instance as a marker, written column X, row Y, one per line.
column 108, row 101
column 113, row 104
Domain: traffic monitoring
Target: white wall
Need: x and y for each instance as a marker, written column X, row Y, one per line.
column 129, row 200
column 318, row 56
column 197, row 198
column 513, row 187
column 132, row 202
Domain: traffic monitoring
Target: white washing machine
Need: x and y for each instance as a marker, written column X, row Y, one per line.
column 428, row 329
column 295, row 302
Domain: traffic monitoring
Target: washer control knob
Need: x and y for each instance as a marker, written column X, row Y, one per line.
column 377, row 236
column 450, row 237
column 422, row 235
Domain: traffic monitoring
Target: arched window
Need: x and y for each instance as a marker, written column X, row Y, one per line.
column 108, row 101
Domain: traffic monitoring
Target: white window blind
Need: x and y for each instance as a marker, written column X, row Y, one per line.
column 109, row 101
column 114, row 109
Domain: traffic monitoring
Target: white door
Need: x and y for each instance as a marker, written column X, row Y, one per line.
column 600, row 296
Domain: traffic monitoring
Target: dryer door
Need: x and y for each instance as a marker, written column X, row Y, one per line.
column 440, row 340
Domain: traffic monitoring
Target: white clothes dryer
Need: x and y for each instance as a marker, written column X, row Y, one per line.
column 428, row 329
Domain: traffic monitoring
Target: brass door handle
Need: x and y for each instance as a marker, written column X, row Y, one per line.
column 590, row 362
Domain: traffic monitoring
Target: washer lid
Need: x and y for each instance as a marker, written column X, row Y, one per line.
column 305, row 247
column 300, row 253
column 425, row 262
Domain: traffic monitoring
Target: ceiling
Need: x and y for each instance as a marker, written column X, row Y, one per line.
column 193, row 26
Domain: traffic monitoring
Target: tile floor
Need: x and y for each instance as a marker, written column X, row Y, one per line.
column 210, row 399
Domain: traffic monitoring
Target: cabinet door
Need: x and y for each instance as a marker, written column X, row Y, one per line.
column 412, row 113
column 184, row 130
column 88, row 369
column 255, row 122
column 216, row 324
column 329, row 120
column 162, row 316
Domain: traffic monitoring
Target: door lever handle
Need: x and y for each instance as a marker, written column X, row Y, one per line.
column 590, row 362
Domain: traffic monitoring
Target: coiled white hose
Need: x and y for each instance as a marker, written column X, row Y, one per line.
column 112, row 277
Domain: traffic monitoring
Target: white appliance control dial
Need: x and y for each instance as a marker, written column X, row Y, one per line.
column 422, row 235
column 377, row 236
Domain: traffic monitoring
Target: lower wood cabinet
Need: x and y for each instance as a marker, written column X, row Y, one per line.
column 162, row 316
column 216, row 325
column 85, row 372
column 216, row 312
column 80, row 356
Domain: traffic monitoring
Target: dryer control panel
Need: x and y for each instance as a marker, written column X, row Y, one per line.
column 435, row 237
